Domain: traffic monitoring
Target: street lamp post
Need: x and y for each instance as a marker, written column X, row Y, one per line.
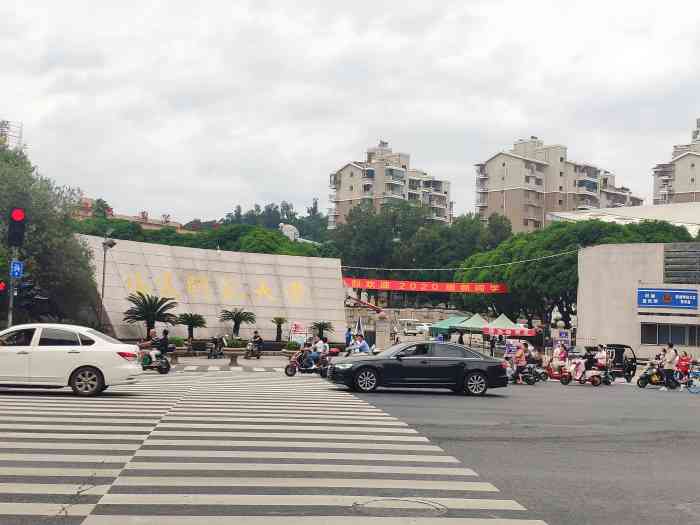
column 107, row 244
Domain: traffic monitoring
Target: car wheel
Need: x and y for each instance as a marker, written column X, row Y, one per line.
column 366, row 380
column 476, row 384
column 86, row 381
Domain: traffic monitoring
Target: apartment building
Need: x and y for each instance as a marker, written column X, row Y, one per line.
column 382, row 177
column 533, row 179
column 677, row 180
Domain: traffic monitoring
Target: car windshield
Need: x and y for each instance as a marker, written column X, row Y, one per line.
column 104, row 337
column 391, row 350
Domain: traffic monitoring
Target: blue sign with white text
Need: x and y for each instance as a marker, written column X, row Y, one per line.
column 667, row 298
column 16, row 269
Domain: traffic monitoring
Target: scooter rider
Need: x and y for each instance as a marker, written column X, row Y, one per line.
column 157, row 345
column 257, row 341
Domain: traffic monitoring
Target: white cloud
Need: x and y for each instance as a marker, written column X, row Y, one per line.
column 191, row 108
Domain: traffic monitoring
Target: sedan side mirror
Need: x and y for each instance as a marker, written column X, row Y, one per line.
column 399, row 357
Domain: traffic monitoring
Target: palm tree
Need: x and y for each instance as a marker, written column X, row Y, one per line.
column 322, row 326
column 191, row 321
column 150, row 309
column 237, row 316
column 279, row 321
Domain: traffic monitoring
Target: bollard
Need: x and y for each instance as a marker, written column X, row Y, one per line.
column 234, row 360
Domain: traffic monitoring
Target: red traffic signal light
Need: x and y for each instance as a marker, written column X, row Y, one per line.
column 2, row 286
column 17, row 214
column 15, row 230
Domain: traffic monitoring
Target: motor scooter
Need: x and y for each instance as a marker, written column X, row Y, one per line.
column 654, row 375
column 577, row 371
column 297, row 363
column 161, row 362
column 252, row 350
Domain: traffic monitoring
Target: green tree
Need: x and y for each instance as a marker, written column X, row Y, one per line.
column 279, row 322
column 237, row 316
column 498, row 229
column 150, row 309
column 100, row 209
column 320, row 327
column 191, row 321
column 56, row 262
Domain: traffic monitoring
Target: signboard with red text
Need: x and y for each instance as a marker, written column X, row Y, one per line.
column 424, row 286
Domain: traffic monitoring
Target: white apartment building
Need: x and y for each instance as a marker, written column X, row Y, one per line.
column 381, row 177
column 533, row 179
column 677, row 181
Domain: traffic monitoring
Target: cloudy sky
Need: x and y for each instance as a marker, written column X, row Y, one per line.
column 192, row 107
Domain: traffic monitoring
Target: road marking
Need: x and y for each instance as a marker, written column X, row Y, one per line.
column 78, row 458
column 325, row 456
column 185, row 481
column 259, row 370
column 318, row 428
column 213, row 369
column 297, row 520
column 287, row 435
column 47, row 488
column 305, row 499
column 190, row 368
column 278, row 369
column 301, row 419
column 107, row 472
column 230, row 443
column 45, row 509
column 301, row 467
column 67, row 446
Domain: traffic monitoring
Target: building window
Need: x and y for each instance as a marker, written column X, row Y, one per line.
column 561, row 159
column 504, row 164
column 352, row 174
column 351, row 187
column 561, row 173
column 561, row 188
column 692, row 165
column 649, row 334
column 524, row 222
column 561, row 202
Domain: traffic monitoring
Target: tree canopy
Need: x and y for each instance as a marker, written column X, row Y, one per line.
column 536, row 288
column 58, row 275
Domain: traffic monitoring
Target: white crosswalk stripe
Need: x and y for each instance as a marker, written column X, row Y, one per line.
column 222, row 448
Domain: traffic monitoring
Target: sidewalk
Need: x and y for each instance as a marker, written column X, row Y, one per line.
column 263, row 362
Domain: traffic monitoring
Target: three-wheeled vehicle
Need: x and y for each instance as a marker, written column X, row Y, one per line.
column 624, row 361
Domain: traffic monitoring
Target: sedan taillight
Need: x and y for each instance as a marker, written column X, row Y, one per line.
column 129, row 356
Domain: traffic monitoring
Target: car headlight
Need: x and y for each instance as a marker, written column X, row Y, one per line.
column 343, row 366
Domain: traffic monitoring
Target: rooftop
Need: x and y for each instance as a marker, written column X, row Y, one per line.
column 680, row 214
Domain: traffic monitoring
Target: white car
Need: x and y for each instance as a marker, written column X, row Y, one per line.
column 59, row 355
column 422, row 328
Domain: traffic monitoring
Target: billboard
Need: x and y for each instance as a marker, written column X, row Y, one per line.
column 681, row 299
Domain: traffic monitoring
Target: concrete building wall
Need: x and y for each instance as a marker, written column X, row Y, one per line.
column 304, row 289
column 607, row 312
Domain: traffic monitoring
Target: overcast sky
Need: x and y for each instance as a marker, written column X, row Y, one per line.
column 192, row 107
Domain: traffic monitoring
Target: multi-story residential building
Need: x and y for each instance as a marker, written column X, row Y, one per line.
column 533, row 179
column 678, row 180
column 381, row 177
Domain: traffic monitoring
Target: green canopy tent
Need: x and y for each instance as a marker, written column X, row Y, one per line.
column 445, row 326
column 502, row 322
column 475, row 324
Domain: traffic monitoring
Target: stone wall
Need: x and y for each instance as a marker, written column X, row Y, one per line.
column 303, row 289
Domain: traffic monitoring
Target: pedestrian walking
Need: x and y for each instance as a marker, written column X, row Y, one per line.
column 670, row 359
column 348, row 337
column 460, row 340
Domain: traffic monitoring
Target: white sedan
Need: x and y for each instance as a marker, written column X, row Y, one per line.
column 59, row 355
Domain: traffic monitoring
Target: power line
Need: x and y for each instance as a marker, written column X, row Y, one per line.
column 522, row 261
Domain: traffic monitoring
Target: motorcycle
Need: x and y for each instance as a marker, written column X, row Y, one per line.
column 577, row 371
column 161, row 363
column 654, row 375
column 253, row 350
column 297, row 363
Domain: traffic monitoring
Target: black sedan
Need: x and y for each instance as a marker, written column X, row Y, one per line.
column 421, row 365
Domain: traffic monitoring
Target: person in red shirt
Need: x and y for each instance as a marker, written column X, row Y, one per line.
column 683, row 367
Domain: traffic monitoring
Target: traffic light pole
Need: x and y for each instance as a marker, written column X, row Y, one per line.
column 11, row 303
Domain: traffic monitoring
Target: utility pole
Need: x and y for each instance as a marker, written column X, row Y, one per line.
column 11, row 303
column 107, row 244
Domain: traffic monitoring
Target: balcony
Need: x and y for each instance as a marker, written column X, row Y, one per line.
column 438, row 204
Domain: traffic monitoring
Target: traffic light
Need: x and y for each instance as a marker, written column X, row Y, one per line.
column 15, row 230
column 3, row 286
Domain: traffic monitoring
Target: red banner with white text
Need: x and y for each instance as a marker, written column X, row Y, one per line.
column 424, row 286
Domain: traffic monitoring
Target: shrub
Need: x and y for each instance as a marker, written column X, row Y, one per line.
column 292, row 345
column 177, row 340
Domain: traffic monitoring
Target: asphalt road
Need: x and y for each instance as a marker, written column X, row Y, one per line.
column 572, row 455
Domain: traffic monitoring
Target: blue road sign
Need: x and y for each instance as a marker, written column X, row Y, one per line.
column 667, row 298
column 16, row 269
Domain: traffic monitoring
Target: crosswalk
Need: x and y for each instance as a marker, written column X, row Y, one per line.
column 227, row 448
column 225, row 368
